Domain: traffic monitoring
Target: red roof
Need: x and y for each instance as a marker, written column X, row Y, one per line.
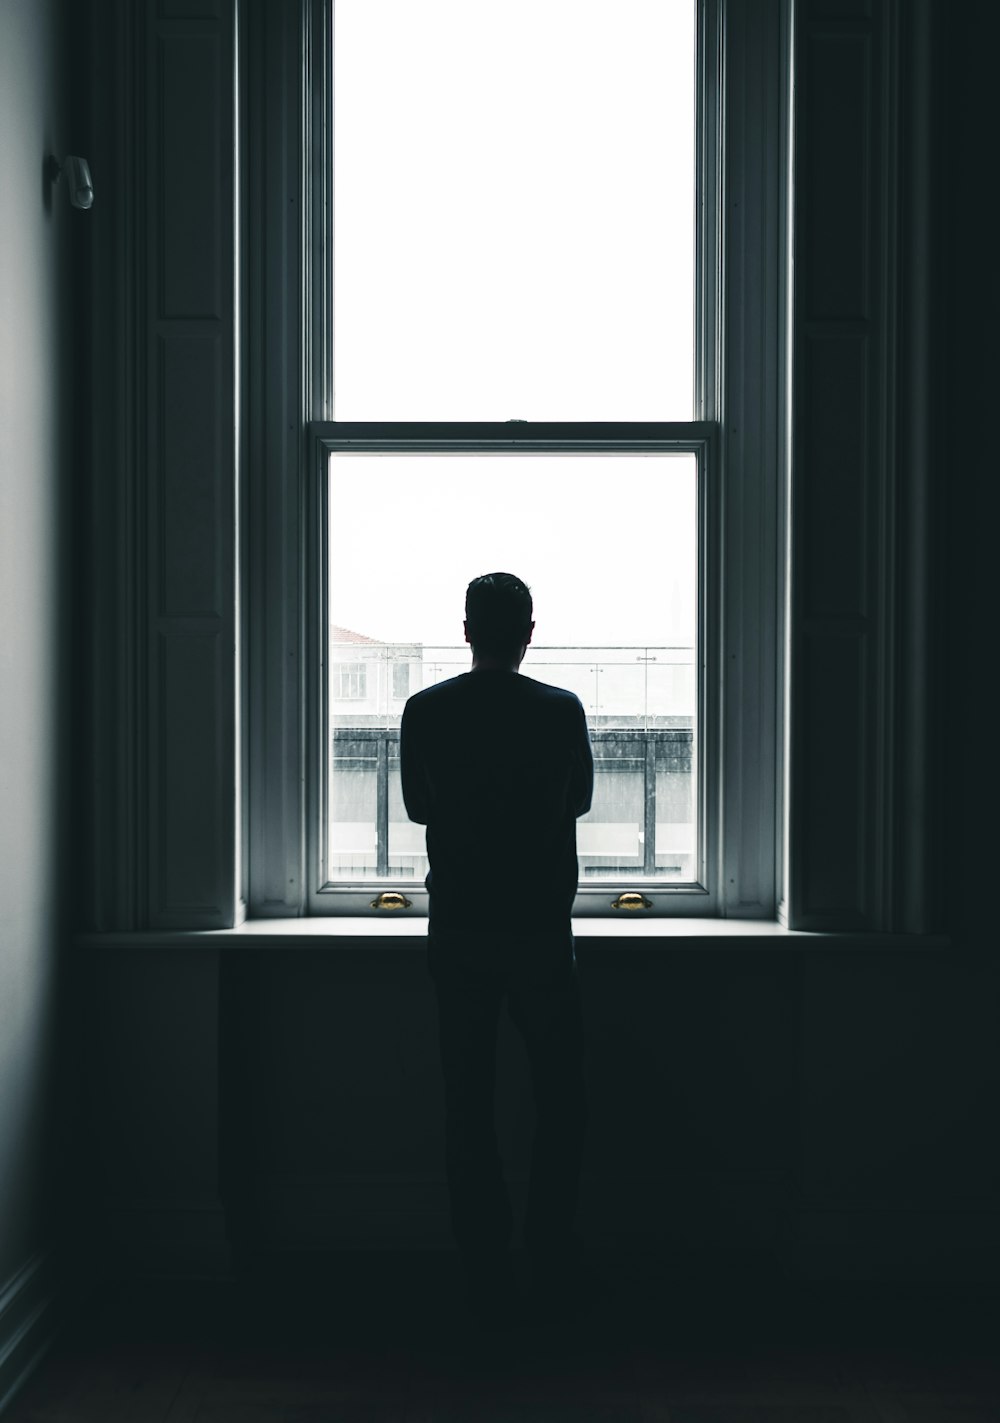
column 346, row 635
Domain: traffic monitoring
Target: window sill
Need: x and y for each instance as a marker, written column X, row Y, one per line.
column 660, row 933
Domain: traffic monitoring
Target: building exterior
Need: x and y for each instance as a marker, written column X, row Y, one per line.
column 370, row 680
column 641, row 706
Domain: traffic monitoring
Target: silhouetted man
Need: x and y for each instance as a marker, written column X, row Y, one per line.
column 498, row 767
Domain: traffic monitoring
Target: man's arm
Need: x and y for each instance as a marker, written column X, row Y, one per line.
column 412, row 773
column 581, row 790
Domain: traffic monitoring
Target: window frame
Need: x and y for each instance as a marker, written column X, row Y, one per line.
column 742, row 329
column 593, row 898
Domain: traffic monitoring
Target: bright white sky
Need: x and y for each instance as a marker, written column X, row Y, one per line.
column 514, row 211
column 514, row 238
column 607, row 544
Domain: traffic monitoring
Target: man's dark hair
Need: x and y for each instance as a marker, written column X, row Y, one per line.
column 498, row 613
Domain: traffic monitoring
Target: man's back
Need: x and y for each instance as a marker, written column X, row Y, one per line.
column 498, row 767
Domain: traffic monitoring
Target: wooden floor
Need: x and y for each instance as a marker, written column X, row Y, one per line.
column 373, row 1339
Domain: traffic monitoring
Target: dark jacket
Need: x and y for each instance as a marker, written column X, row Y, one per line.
column 498, row 767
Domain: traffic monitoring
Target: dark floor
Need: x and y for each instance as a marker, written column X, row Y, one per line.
column 365, row 1339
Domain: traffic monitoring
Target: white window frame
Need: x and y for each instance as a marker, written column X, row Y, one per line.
column 594, row 898
column 741, row 285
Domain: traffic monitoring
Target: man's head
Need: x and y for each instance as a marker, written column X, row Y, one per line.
column 498, row 617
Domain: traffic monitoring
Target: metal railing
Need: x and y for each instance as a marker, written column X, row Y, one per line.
column 646, row 686
column 651, row 748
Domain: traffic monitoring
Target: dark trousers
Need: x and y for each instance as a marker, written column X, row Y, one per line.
column 537, row 974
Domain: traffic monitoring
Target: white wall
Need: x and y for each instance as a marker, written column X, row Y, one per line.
column 36, row 225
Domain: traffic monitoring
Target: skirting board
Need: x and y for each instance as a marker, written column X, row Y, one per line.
column 29, row 1317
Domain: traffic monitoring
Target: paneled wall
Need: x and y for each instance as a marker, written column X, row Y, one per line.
column 165, row 468
column 860, row 643
column 822, row 1110
column 288, row 1097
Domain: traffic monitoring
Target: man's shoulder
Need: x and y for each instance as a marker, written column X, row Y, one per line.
column 457, row 692
column 545, row 692
column 440, row 692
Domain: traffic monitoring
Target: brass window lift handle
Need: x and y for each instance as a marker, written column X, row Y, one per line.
column 631, row 900
column 389, row 899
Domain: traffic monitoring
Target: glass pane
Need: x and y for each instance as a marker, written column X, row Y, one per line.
column 353, row 790
column 514, row 209
column 609, row 547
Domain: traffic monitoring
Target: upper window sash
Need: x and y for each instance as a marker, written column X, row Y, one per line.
column 319, row 211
